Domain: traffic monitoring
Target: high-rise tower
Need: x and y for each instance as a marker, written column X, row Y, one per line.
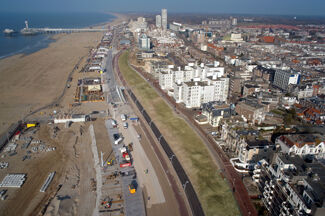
column 158, row 21
column 164, row 18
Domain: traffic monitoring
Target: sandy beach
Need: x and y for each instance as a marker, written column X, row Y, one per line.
column 28, row 82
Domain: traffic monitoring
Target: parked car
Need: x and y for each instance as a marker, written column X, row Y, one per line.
column 117, row 139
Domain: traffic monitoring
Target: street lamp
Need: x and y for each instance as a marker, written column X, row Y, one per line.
column 171, row 158
column 184, row 185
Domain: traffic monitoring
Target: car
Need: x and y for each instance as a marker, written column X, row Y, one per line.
column 114, row 123
column 125, row 125
column 116, row 136
column 117, row 139
column 123, row 117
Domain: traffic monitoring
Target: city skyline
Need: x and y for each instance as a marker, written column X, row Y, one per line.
column 289, row 7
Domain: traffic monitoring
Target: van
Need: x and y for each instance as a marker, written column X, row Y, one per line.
column 114, row 123
column 123, row 117
column 125, row 125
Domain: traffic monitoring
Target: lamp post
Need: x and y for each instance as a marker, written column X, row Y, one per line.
column 171, row 158
column 184, row 185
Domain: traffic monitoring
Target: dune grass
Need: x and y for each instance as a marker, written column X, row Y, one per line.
column 213, row 191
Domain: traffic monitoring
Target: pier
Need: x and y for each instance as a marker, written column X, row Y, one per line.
column 64, row 30
column 33, row 31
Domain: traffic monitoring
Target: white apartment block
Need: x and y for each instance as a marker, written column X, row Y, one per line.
column 178, row 92
column 188, row 75
column 214, row 71
column 192, row 85
column 192, row 94
column 166, row 79
column 207, row 94
column 221, row 88
column 179, row 76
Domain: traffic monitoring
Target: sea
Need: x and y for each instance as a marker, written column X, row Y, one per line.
column 16, row 44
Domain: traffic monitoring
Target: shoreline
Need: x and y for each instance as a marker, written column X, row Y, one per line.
column 49, row 39
column 34, row 80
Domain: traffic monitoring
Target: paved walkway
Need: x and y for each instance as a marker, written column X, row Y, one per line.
column 149, row 180
column 97, row 169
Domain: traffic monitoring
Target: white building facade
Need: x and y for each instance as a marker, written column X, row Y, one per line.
column 300, row 144
column 166, row 80
column 164, row 19
column 158, row 21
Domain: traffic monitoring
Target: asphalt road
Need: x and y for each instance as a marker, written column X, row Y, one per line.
column 109, row 79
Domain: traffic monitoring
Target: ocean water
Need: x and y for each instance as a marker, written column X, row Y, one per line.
column 27, row 44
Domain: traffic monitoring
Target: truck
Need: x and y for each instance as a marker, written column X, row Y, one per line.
column 132, row 187
column 125, row 164
column 29, row 125
column 123, row 117
column 126, row 156
column 134, row 119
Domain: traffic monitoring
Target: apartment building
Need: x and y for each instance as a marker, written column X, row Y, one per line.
column 282, row 79
column 251, row 150
column 179, row 76
column 166, row 79
column 178, row 92
column 221, row 87
column 251, row 111
column 144, row 42
column 158, row 21
column 291, row 185
column 192, row 93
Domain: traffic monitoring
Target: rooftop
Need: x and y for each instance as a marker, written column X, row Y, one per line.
column 300, row 140
column 197, row 83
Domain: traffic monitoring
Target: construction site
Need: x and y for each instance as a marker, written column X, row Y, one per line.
column 89, row 90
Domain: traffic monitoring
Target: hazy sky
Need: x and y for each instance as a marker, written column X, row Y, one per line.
column 289, row 7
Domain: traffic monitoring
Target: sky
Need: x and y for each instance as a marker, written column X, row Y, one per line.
column 272, row 7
